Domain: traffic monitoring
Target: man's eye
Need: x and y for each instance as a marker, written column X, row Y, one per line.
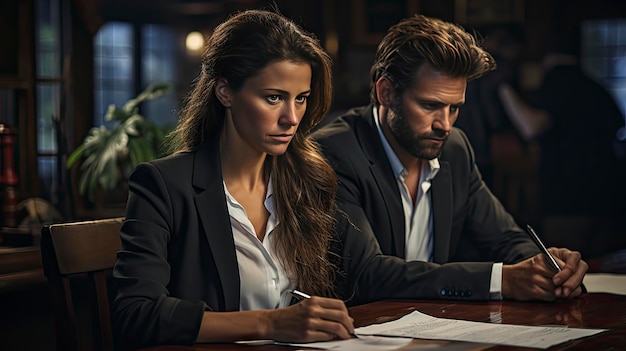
column 454, row 109
column 273, row 99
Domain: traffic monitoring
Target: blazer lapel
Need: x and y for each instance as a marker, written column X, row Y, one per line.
column 442, row 212
column 369, row 141
column 213, row 212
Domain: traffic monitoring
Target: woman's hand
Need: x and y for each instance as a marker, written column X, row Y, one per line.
column 314, row 319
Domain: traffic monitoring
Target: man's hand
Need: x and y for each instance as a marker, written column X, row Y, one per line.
column 535, row 279
column 568, row 281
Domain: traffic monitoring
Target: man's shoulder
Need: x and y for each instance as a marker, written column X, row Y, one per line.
column 457, row 145
column 344, row 123
column 457, row 137
column 344, row 129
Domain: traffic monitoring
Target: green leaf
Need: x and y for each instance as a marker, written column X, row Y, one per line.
column 109, row 155
column 75, row 156
column 152, row 92
column 115, row 113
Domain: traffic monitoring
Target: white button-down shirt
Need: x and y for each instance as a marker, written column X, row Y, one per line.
column 418, row 222
column 264, row 282
column 418, row 217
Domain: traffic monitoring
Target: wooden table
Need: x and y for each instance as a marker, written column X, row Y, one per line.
column 20, row 268
column 588, row 311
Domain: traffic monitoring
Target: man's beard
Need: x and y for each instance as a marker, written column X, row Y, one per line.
column 418, row 145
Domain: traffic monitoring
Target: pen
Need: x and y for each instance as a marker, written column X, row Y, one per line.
column 543, row 249
column 299, row 294
column 302, row 296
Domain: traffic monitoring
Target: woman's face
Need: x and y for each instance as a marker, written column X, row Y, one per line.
column 264, row 114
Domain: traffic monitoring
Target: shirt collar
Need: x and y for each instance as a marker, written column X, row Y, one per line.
column 236, row 209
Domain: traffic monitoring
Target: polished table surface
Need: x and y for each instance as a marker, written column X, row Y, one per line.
column 604, row 311
column 20, row 268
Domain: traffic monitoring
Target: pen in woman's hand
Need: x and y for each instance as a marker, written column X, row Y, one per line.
column 543, row 248
column 299, row 295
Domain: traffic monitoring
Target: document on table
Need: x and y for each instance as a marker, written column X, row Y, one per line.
column 605, row 283
column 381, row 343
column 419, row 325
column 365, row 343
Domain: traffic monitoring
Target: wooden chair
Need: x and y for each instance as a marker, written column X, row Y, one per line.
column 77, row 258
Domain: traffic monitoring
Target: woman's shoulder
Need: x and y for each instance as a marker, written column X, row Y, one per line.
column 174, row 165
column 174, row 159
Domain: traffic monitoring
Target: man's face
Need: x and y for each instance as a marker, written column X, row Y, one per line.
column 421, row 118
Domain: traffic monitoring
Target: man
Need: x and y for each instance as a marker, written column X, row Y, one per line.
column 406, row 172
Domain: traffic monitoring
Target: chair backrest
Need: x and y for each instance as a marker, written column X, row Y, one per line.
column 77, row 258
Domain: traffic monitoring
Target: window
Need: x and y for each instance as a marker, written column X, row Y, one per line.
column 124, row 59
column 127, row 58
column 159, row 57
column 604, row 56
column 113, row 68
column 49, row 88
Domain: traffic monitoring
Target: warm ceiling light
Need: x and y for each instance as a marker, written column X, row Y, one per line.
column 194, row 41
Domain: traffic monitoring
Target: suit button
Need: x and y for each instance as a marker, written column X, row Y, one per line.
column 469, row 293
column 443, row 292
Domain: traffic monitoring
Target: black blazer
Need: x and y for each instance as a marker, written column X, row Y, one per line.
column 178, row 255
column 469, row 221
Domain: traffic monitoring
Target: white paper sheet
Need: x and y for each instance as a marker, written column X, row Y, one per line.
column 378, row 343
column 413, row 345
column 419, row 325
column 605, row 283
column 364, row 343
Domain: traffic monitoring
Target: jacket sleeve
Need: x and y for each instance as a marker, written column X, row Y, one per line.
column 143, row 313
column 373, row 276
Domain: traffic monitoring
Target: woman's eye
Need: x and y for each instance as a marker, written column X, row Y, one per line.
column 273, row 99
column 301, row 99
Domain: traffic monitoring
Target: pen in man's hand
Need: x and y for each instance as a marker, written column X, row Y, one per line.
column 302, row 296
column 543, row 249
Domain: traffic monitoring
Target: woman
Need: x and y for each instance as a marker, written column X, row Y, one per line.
column 218, row 233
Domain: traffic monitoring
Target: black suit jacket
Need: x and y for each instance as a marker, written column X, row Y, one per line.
column 178, row 256
column 469, row 221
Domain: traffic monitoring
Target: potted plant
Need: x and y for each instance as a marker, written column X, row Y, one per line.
column 108, row 155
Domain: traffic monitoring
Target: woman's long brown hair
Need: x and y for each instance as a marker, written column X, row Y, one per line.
column 304, row 183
